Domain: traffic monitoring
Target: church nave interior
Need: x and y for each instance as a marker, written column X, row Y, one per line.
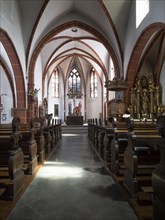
column 94, row 70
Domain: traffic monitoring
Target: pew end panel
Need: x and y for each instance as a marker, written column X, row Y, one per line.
column 11, row 164
column 140, row 158
column 29, row 148
column 158, row 175
column 118, row 146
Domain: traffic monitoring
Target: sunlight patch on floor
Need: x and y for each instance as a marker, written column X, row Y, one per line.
column 70, row 135
column 54, row 163
column 60, row 172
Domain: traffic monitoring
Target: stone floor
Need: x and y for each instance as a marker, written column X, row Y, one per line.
column 72, row 185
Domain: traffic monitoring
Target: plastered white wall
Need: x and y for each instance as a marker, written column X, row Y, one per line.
column 156, row 14
column 6, row 98
column 38, row 79
column 11, row 23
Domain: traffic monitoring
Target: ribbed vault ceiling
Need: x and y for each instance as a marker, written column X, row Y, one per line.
column 81, row 47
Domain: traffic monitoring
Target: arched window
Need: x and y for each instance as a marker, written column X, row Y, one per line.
column 74, row 84
column 55, row 84
column 93, row 84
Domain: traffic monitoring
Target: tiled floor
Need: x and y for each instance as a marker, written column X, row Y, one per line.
column 72, row 185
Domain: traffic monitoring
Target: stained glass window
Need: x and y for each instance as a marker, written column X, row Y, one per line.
column 93, row 84
column 74, row 84
column 55, row 84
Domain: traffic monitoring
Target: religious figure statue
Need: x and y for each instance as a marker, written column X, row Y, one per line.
column 145, row 101
column 160, row 109
column 151, row 85
column 77, row 109
column 137, row 87
column 34, row 94
column 70, row 108
column 157, row 95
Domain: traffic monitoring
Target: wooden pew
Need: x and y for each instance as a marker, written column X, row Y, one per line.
column 11, row 160
column 47, row 134
column 55, row 131
column 118, row 146
column 58, row 130
column 95, row 134
column 29, row 148
column 91, row 131
column 38, row 125
column 140, row 156
column 100, row 137
column 108, row 137
column 54, row 134
column 120, row 141
column 158, row 175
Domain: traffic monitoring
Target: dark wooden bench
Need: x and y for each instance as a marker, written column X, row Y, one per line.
column 11, row 160
column 47, row 134
column 96, row 132
column 158, row 175
column 100, row 136
column 120, row 141
column 38, row 125
column 108, row 137
column 118, row 146
column 140, row 156
column 29, row 148
column 58, row 129
column 92, row 129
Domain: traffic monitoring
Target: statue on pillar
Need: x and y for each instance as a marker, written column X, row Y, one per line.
column 34, row 94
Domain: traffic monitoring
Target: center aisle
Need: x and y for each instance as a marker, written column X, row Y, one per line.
column 72, row 185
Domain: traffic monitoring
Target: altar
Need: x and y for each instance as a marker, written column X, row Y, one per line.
column 74, row 120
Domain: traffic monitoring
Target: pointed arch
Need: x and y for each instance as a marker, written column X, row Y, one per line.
column 137, row 52
column 18, row 74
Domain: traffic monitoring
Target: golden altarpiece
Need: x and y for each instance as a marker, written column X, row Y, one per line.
column 145, row 98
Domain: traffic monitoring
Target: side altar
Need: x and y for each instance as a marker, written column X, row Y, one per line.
column 74, row 120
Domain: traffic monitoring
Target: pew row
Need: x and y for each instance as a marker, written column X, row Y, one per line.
column 158, row 175
column 29, row 148
column 11, row 161
column 100, row 136
column 118, row 146
column 120, row 141
column 38, row 125
column 140, row 156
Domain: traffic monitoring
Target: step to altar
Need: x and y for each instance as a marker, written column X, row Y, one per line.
column 74, row 129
